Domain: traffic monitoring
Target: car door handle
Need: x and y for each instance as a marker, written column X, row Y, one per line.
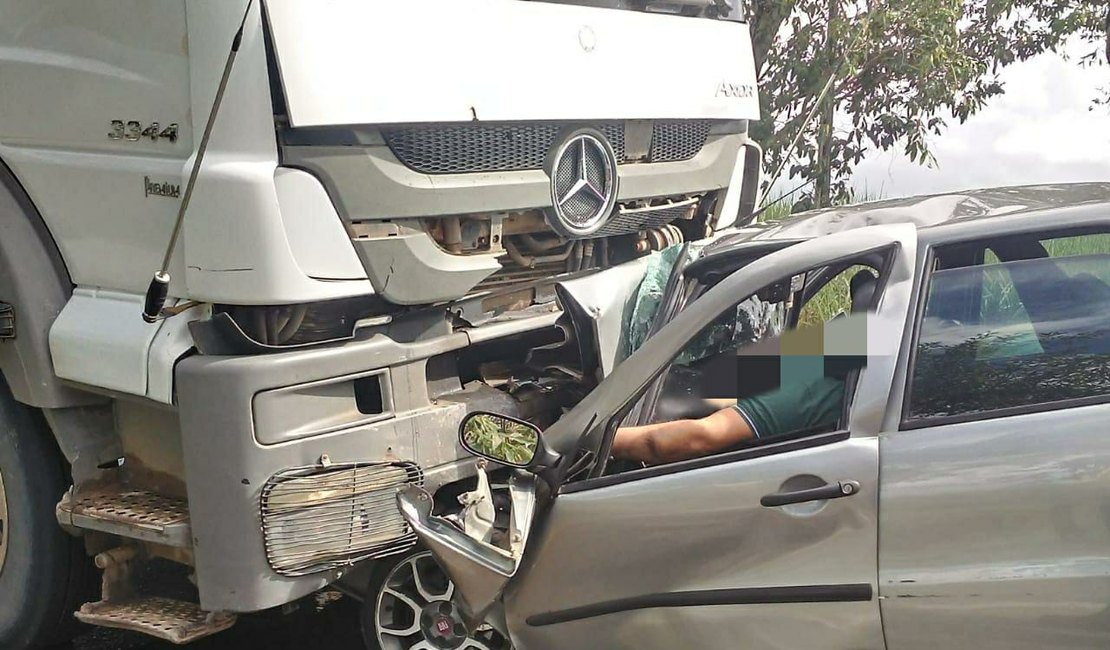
column 837, row 490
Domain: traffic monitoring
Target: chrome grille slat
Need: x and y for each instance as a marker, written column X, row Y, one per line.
column 512, row 274
column 485, row 148
column 365, row 502
column 347, row 524
column 304, row 554
column 300, row 554
column 320, row 518
column 350, row 526
column 344, row 501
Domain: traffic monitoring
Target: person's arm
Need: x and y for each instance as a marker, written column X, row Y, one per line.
column 668, row 442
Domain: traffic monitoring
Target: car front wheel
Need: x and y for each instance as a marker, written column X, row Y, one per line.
column 408, row 607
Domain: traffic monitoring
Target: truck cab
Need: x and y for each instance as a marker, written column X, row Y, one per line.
column 396, row 213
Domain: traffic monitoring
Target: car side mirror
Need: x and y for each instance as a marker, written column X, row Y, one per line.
column 503, row 439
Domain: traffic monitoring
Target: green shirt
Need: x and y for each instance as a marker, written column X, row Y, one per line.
column 808, row 404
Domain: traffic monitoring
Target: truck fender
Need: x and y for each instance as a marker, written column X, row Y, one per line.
column 35, row 282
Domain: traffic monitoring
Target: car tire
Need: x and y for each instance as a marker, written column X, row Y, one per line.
column 410, row 592
column 44, row 573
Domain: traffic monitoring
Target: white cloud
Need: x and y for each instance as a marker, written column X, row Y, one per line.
column 1041, row 131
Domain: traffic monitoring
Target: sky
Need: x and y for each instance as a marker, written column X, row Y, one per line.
column 1042, row 130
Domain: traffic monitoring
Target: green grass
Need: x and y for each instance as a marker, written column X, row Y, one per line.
column 780, row 208
column 833, row 298
column 1001, row 303
column 776, row 212
column 1083, row 245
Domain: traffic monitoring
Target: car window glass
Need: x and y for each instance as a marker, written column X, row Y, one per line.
column 831, row 300
column 738, row 354
column 1040, row 334
column 749, row 321
column 1001, row 306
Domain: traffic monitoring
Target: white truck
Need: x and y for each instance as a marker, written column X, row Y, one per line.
column 390, row 208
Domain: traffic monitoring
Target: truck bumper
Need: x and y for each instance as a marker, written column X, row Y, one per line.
column 247, row 418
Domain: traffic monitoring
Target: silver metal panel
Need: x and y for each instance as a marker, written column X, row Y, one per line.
column 170, row 620
column 478, row 570
column 411, row 269
column 885, row 328
column 508, row 326
column 215, row 395
column 316, row 408
column 607, row 297
column 705, row 529
column 630, row 220
column 995, row 533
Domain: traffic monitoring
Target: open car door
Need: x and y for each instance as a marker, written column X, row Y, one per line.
column 767, row 546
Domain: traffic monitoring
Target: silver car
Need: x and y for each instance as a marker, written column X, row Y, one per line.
column 961, row 501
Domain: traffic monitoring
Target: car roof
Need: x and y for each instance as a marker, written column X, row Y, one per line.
column 932, row 214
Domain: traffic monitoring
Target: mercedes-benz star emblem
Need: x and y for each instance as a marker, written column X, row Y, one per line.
column 583, row 171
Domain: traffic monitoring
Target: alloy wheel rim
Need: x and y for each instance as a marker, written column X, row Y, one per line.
column 3, row 523
column 414, row 611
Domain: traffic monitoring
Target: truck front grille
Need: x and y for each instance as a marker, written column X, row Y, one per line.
column 512, row 274
column 678, row 139
column 629, row 220
column 325, row 517
column 476, row 148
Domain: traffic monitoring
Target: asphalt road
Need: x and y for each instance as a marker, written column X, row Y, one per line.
column 332, row 625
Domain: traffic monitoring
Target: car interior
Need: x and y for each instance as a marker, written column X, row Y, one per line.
column 704, row 378
column 1007, row 323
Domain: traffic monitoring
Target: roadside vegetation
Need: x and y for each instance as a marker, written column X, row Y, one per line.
column 834, row 298
column 840, row 79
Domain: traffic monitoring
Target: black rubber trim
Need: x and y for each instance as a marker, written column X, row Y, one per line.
column 844, row 593
column 998, row 414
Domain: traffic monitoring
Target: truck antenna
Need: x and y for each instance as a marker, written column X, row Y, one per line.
column 159, row 285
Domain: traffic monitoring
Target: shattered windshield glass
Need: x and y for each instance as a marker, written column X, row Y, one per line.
column 650, row 294
column 752, row 320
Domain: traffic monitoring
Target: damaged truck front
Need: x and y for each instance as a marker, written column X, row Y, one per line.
column 403, row 214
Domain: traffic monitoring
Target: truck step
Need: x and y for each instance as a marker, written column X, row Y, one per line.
column 170, row 620
column 134, row 514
